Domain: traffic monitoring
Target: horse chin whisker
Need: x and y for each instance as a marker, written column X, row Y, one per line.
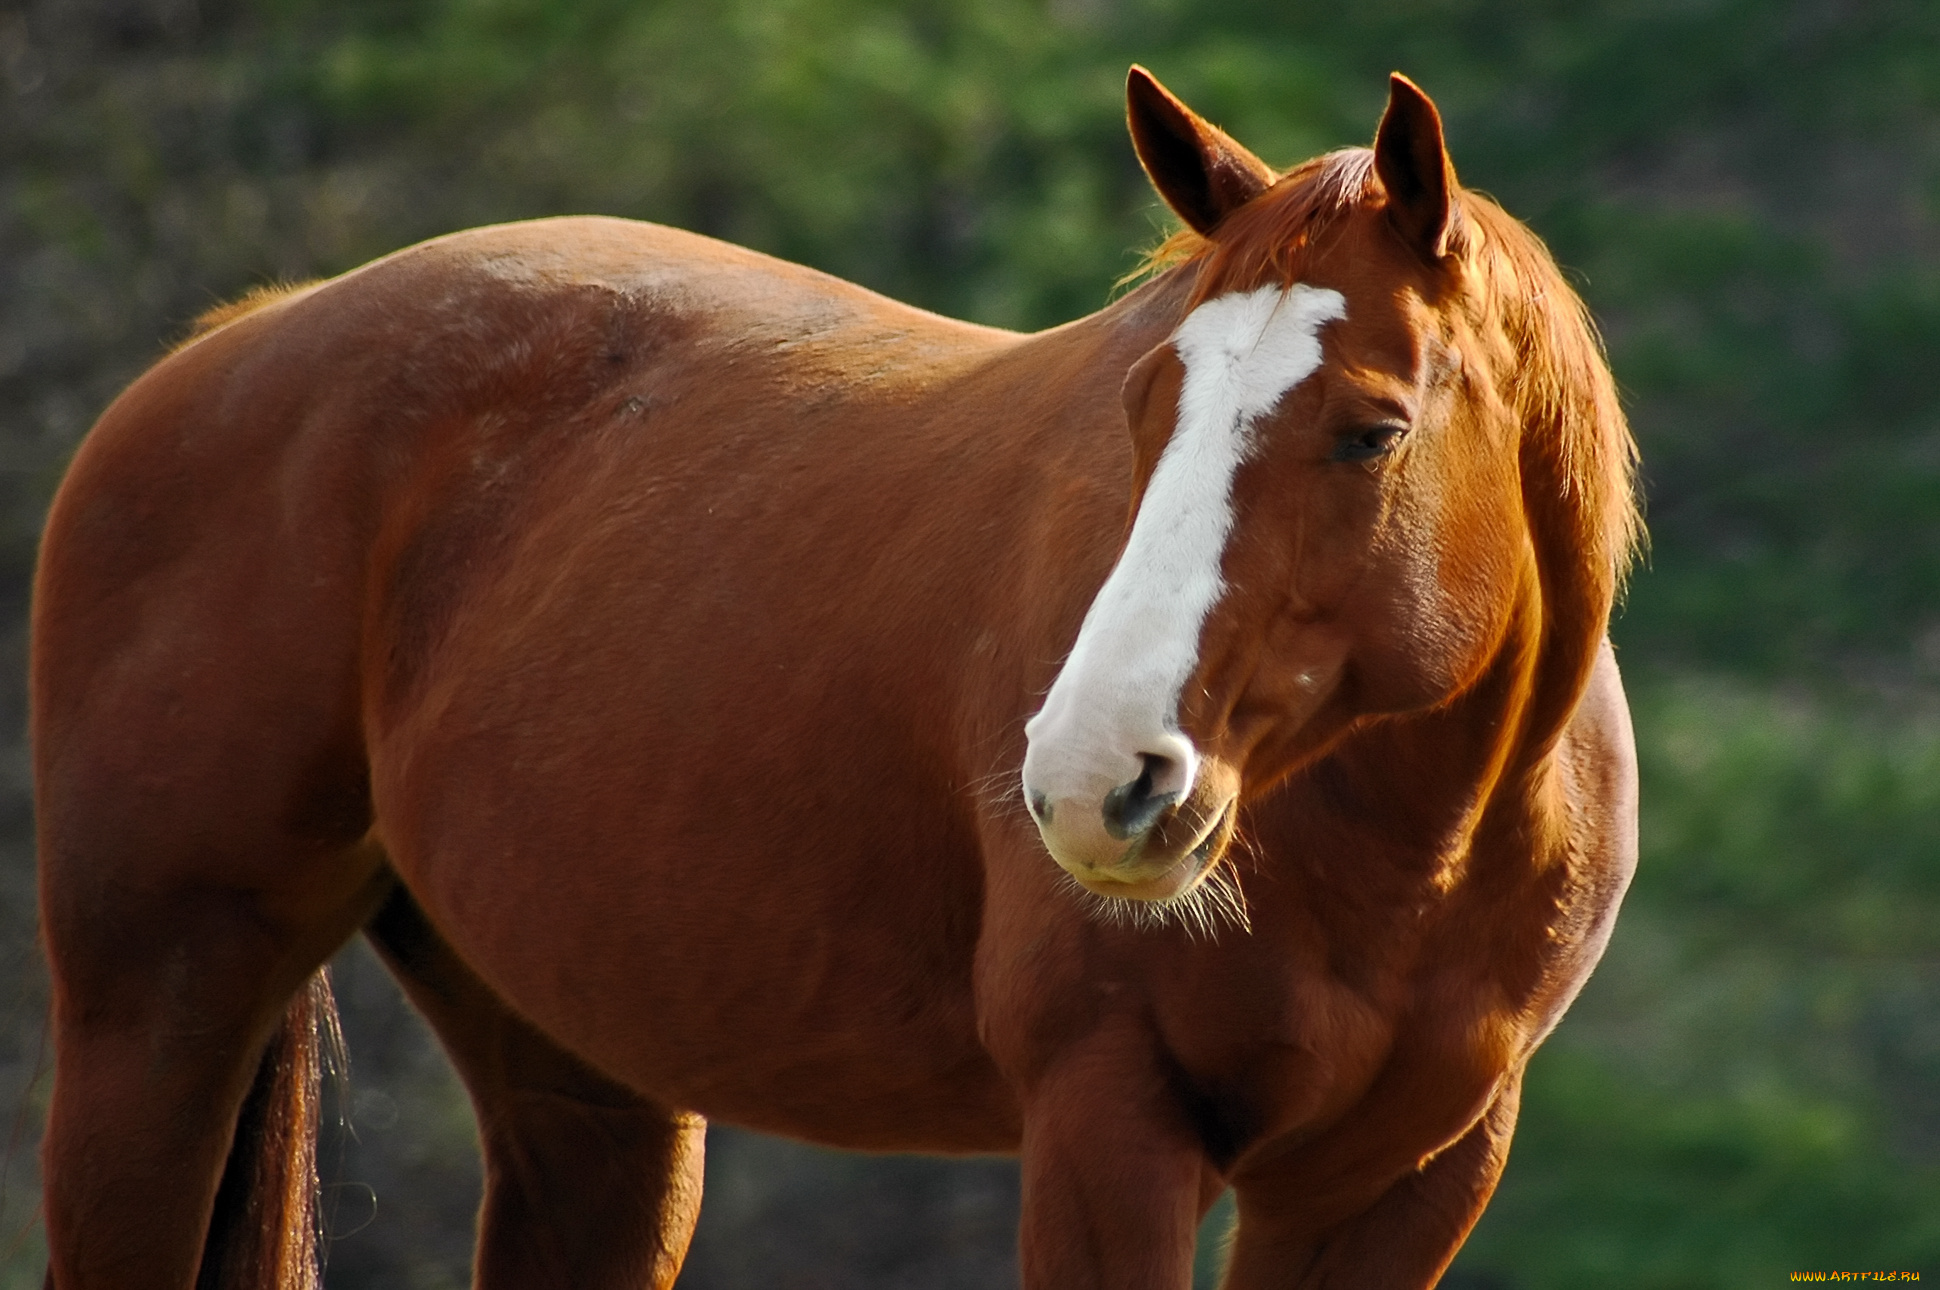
column 1242, row 844
column 1224, row 898
column 1214, row 904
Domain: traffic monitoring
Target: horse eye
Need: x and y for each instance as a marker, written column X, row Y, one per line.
column 1368, row 442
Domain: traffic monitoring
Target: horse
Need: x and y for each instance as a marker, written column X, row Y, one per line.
column 1181, row 748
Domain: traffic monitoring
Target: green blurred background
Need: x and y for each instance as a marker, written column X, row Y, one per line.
column 1747, row 193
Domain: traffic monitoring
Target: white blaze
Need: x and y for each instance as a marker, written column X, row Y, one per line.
column 1118, row 694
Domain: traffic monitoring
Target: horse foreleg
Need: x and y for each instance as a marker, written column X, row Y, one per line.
column 587, row 1184
column 1404, row 1241
column 1115, row 1180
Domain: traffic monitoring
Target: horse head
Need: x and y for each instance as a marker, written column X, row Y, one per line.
column 1378, row 457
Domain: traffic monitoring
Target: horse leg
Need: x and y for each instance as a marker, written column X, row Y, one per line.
column 1115, row 1180
column 587, row 1184
column 1404, row 1241
column 166, row 997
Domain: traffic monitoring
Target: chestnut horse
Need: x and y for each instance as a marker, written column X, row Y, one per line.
column 639, row 640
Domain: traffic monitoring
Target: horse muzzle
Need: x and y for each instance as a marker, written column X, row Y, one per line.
column 1151, row 837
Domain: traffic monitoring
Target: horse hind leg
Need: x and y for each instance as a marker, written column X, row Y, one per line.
column 587, row 1184
column 171, row 1000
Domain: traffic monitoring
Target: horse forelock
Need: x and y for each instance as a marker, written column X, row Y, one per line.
column 1271, row 237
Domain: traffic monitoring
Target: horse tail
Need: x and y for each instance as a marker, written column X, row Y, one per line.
column 264, row 1233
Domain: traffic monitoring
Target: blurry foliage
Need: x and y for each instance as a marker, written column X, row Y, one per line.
column 1744, row 189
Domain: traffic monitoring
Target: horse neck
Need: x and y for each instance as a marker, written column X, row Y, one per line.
column 1117, row 336
column 1059, row 398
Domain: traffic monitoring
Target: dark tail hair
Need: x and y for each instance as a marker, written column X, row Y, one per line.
column 264, row 1233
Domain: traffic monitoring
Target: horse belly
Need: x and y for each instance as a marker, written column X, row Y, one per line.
column 721, row 973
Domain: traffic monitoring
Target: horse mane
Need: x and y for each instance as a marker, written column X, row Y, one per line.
column 1560, row 389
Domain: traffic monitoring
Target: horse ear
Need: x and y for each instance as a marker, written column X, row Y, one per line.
column 1413, row 164
column 1201, row 172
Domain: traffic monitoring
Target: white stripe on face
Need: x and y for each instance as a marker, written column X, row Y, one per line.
column 1117, row 697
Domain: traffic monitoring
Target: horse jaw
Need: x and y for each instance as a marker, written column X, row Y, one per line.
column 1108, row 732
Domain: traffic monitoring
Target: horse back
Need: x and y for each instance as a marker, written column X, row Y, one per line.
column 371, row 438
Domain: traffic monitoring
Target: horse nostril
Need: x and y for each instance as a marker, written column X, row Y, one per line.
column 1131, row 809
column 1040, row 807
